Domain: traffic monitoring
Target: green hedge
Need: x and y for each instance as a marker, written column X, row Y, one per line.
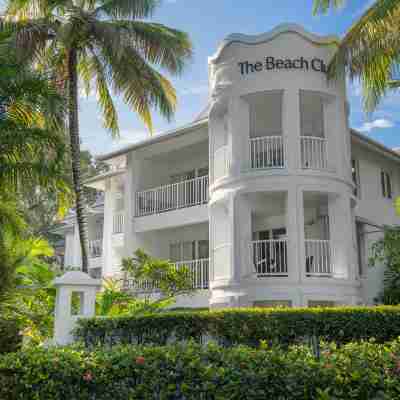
column 184, row 372
column 10, row 337
column 246, row 326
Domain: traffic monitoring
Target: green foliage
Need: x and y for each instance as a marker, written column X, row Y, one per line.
column 10, row 337
column 161, row 275
column 246, row 326
column 355, row 371
column 31, row 302
column 370, row 49
column 386, row 252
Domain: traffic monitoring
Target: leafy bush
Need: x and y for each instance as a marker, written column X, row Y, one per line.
column 10, row 338
column 246, row 326
column 355, row 371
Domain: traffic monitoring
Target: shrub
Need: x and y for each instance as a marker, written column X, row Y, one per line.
column 246, row 326
column 355, row 371
column 10, row 338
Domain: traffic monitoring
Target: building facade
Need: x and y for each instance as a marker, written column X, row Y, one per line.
column 268, row 196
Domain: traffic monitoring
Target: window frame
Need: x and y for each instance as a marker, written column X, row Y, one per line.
column 386, row 184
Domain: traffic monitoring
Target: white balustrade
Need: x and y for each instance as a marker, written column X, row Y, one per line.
column 188, row 193
column 313, row 152
column 118, row 223
column 199, row 269
column 95, row 248
column 270, row 257
column 318, row 258
column 267, row 152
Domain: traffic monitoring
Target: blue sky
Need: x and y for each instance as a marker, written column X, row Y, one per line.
column 208, row 22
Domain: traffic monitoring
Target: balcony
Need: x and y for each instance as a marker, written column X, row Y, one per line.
column 165, row 198
column 267, row 152
column 313, row 153
column 318, row 258
column 270, row 257
column 118, row 223
column 200, row 271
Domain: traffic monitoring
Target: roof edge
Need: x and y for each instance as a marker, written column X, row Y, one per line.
column 268, row 36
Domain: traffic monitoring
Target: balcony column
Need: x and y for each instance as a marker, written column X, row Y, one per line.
column 291, row 128
column 341, row 236
column 295, row 233
column 238, row 135
column 107, row 253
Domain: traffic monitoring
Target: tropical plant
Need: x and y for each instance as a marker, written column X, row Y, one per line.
column 105, row 43
column 370, row 50
column 386, row 252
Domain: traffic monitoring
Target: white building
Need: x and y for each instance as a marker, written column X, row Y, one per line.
column 268, row 195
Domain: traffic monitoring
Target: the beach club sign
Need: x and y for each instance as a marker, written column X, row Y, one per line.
column 274, row 64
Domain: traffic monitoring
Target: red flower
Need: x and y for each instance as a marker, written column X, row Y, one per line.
column 87, row 376
column 139, row 360
column 328, row 366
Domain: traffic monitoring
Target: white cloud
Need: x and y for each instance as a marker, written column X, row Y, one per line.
column 380, row 123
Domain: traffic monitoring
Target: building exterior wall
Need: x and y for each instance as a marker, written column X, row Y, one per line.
column 310, row 201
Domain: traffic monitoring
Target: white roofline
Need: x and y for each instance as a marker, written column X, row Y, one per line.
column 155, row 139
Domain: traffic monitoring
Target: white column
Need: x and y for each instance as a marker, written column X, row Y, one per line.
column 295, row 233
column 291, row 127
column 107, row 256
column 341, row 236
column 238, row 135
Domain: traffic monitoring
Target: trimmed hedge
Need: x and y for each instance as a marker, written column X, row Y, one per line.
column 246, row 326
column 354, row 371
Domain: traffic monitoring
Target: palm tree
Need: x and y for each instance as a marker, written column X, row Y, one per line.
column 105, row 43
column 370, row 50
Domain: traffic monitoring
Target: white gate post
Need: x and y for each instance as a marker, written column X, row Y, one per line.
column 76, row 298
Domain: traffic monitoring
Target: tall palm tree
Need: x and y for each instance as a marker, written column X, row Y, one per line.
column 370, row 50
column 108, row 43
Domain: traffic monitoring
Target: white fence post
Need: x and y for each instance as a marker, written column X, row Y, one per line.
column 76, row 298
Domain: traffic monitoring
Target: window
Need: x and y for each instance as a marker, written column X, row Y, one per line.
column 188, row 250
column 355, row 173
column 361, row 247
column 386, row 184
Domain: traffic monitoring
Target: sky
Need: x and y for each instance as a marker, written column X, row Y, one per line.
column 208, row 22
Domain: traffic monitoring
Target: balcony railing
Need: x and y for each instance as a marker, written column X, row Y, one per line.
column 267, row 152
column 318, row 258
column 95, row 248
column 270, row 257
column 118, row 223
column 313, row 152
column 200, row 271
column 171, row 197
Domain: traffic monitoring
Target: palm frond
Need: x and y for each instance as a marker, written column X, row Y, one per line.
column 323, row 6
column 134, row 9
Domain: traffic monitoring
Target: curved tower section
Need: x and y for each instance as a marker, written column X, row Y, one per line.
column 281, row 193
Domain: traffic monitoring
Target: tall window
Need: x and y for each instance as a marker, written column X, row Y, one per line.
column 386, row 184
column 355, row 173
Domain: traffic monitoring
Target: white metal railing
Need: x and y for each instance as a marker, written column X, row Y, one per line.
column 118, row 223
column 200, row 271
column 270, row 257
column 267, row 152
column 318, row 258
column 188, row 193
column 95, row 248
column 221, row 162
column 313, row 152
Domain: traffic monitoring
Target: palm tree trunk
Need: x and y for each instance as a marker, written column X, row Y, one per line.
column 75, row 155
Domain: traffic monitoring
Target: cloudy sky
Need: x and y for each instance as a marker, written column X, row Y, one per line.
column 208, row 22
